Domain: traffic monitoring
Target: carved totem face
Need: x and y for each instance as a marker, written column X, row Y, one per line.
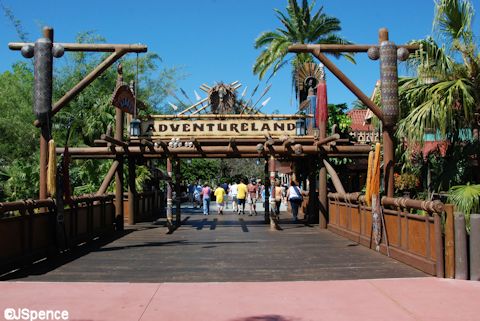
column 222, row 99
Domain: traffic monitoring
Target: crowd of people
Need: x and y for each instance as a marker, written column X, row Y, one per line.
column 244, row 193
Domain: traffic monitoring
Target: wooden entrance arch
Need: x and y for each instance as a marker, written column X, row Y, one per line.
column 204, row 131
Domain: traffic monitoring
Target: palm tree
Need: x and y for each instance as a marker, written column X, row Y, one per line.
column 299, row 26
column 444, row 96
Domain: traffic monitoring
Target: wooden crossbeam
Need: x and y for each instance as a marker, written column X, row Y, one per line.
column 113, row 141
column 198, row 146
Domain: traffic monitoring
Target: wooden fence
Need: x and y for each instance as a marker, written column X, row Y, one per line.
column 412, row 239
column 31, row 230
column 149, row 206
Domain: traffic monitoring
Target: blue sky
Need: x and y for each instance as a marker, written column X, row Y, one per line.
column 212, row 40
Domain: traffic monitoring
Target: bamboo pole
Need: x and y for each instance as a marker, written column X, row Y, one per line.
column 200, row 109
column 231, row 116
column 180, row 114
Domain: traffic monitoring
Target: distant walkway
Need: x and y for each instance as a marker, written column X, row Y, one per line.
column 220, row 248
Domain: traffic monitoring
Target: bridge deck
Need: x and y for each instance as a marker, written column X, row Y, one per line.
column 220, row 248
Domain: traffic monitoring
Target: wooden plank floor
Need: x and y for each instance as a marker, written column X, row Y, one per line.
column 219, row 248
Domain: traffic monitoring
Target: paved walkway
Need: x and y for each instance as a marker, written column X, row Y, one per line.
column 418, row 299
column 233, row 268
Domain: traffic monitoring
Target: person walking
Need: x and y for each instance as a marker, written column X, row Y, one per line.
column 241, row 196
column 206, row 198
column 191, row 190
column 225, row 186
column 252, row 197
column 220, row 199
column 294, row 195
column 233, row 194
column 278, row 196
column 197, row 196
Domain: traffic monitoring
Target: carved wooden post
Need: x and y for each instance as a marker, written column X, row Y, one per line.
column 312, row 209
column 322, row 118
column 389, row 93
column 178, row 199
column 270, row 199
column 266, row 216
column 388, row 53
column 169, row 194
column 131, row 190
column 119, row 127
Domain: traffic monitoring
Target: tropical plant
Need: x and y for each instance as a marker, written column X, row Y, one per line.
column 299, row 25
column 466, row 199
column 444, row 94
column 91, row 112
column 443, row 97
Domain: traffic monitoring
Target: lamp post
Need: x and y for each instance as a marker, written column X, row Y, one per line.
column 300, row 127
column 135, row 129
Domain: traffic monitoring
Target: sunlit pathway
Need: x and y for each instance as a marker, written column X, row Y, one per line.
column 221, row 248
column 418, row 299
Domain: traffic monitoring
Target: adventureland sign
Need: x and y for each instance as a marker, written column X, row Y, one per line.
column 218, row 127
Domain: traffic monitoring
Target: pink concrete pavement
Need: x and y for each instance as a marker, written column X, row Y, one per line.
column 380, row 299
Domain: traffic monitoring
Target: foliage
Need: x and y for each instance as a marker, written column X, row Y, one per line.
column 143, row 175
column 91, row 112
column 221, row 170
column 337, row 116
column 300, row 24
column 443, row 97
column 466, row 199
column 406, row 181
column 20, row 178
column 205, row 170
column 444, row 94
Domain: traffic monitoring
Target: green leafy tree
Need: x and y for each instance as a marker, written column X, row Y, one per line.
column 206, row 170
column 89, row 114
column 19, row 141
column 337, row 116
column 300, row 24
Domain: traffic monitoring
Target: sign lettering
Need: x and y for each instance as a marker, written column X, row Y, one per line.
column 218, row 127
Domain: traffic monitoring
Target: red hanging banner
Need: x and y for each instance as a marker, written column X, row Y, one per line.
column 322, row 105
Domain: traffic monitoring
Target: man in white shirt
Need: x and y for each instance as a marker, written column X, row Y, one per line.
column 233, row 194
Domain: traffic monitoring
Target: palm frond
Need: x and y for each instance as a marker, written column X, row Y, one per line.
column 299, row 24
column 466, row 198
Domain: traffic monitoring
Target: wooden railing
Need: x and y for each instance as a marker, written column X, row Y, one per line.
column 31, row 230
column 149, row 205
column 412, row 238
